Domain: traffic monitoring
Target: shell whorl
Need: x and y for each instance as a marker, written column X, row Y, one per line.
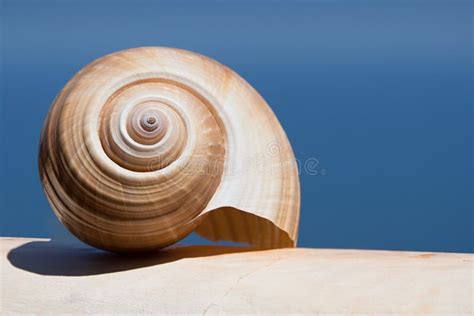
column 135, row 151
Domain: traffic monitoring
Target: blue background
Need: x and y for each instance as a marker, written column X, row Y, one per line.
column 380, row 92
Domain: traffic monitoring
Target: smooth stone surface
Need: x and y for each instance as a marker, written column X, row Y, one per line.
column 42, row 276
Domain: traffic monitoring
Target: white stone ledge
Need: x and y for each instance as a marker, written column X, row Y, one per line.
column 43, row 277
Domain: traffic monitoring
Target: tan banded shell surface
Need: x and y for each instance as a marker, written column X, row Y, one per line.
column 146, row 145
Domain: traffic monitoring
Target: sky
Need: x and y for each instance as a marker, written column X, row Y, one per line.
column 379, row 93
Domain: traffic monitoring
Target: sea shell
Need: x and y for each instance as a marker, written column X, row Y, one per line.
column 146, row 145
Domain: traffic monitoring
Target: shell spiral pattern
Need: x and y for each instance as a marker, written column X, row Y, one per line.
column 146, row 145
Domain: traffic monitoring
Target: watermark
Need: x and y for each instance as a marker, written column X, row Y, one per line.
column 272, row 161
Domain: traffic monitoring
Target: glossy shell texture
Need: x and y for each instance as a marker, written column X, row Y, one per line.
column 146, row 145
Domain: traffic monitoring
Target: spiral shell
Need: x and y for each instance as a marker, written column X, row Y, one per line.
column 143, row 146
